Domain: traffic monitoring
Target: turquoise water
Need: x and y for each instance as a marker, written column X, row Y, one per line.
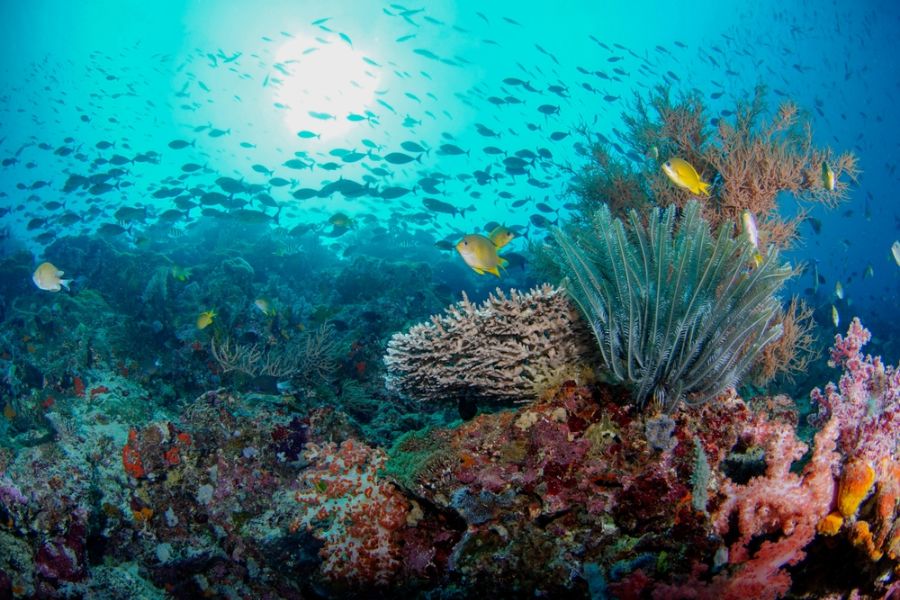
column 296, row 167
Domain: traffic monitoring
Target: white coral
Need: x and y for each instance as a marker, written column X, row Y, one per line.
column 497, row 350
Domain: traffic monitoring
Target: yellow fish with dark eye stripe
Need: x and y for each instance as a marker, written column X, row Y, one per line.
column 684, row 175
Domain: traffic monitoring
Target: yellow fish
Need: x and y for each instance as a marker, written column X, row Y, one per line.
column 828, row 178
column 205, row 319
column 749, row 225
column 48, row 278
column 839, row 290
column 480, row 253
column 895, row 250
column 501, row 236
column 835, row 318
column 685, row 176
column 265, row 306
column 181, row 273
column 870, row 271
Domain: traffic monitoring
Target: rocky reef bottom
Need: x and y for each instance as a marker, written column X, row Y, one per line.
column 577, row 494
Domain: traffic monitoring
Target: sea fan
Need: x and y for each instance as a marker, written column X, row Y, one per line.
column 678, row 315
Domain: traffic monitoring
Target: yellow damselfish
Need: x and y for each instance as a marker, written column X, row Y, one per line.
column 501, row 236
column 828, row 178
column 48, row 278
column 205, row 319
column 480, row 253
column 181, row 273
column 684, row 175
column 265, row 306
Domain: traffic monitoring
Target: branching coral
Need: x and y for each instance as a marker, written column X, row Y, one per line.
column 310, row 359
column 792, row 352
column 500, row 350
column 750, row 160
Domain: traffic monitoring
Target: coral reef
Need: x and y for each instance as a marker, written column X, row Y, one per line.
column 503, row 349
column 577, row 494
column 679, row 315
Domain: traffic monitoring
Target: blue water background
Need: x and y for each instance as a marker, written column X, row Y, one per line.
column 131, row 72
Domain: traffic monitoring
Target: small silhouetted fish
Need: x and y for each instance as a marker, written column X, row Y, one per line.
column 171, row 215
column 306, row 135
column 519, row 203
column 230, row 185
column 261, row 169
column 212, row 198
column 179, row 144
column 101, row 188
column 45, row 238
column 296, row 163
column 482, row 130
column 558, row 135
column 126, row 214
column 352, row 157
column 393, row 192
column 110, row 230
column 548, row 109
column 540, row 221
column 493, row 150
column 304, row 193
column 451, row 150
column 191, row 167
column 68, row 219
column 322, row 116
column 399, row 158
column 278, row 182
column 815, row 223
column 441, row 206
column 214, row 133
column 412, row 147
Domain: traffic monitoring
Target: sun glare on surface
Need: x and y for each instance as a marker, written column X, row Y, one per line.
column 318, row 85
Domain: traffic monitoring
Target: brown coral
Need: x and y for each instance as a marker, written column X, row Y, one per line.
column 749, row 160
column 791, row 353
column 500, row 350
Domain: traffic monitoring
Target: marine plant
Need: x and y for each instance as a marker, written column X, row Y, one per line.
column 678, row 314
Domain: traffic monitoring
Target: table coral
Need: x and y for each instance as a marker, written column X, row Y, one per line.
column 503, row 349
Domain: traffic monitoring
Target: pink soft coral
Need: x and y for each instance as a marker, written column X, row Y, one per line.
column 865, row 405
